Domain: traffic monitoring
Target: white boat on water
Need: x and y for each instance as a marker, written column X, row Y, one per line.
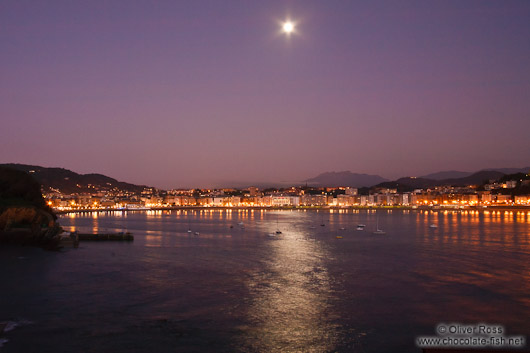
column 433, row 226
column 196, row 233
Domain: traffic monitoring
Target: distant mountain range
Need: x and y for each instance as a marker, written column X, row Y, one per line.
column 454, row 174
column 411, row 183
column 456, row 178
column 346, row 178
column 69, row 182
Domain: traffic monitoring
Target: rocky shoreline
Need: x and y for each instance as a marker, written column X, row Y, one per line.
column 29, row 226
column 48, row 238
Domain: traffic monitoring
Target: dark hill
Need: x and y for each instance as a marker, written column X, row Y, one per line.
column 346, row 178
column 69, row 182
column 447, row 174
column 409, row 183
column 19, row 188
column 524, row 170
column 454, row 174
column 25, row 219
column 477, row 178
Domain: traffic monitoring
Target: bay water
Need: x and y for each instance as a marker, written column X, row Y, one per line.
column 237, row 286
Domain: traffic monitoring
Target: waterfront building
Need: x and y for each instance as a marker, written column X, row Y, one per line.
column 314, row 200
column 404, row 199
column 187, row 201
column 346, row 200
column 522, row 200
column 219, row 201
column 235, row 200
column 485, row 196
column 350, row 191
column 285, row 201
column 83, row 200
column 500, row 198
column 170, row 200
column 253, row 191
column 107, row 203
column 205, row 201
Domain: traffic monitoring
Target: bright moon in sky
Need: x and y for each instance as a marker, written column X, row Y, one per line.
column 288, row 27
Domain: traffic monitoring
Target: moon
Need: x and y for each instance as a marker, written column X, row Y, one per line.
column 288, row 27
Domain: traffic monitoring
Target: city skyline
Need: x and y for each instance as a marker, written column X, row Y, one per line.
column 171, row 95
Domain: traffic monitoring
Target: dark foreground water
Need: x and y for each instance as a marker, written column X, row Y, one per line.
column 242, row 290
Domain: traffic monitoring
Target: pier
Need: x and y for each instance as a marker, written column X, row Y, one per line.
column 72, row 240
column 106, row 236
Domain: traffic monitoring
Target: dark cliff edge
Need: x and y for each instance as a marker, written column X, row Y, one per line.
column 25, row 219
column 69, row 182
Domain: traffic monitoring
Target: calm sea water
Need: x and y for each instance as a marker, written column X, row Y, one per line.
column 241, row 290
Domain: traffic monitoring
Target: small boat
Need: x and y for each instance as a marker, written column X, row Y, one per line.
column 338, row 237
column 196, row 233
column 278, row 232
column 189, row 226
column 240, row 223
column 271, row 235
column 433, row 226
column 342, row 228
column 360, row 228
column 361, row 225
column 231, row 227
column 322, row 225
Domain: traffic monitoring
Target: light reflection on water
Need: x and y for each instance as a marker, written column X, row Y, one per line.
column 290, row 310
column 475, row 264
column 235, row 288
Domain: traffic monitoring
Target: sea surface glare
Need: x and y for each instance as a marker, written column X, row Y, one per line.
column 245, row 289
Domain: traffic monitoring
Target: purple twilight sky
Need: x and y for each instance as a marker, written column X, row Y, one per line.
column 197, row 93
